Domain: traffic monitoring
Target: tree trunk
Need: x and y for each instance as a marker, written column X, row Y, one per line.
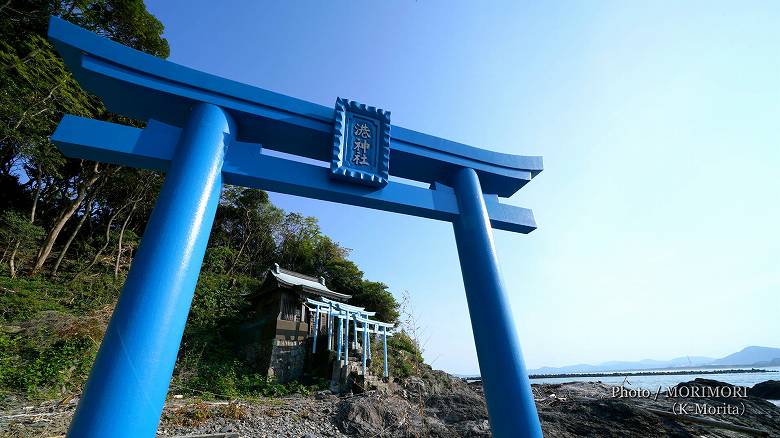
column 121, row 236
column 38, row 178
column 11, row 261
column 51, row 237
column 87, row 212
column 105, row 245
column 238, row 256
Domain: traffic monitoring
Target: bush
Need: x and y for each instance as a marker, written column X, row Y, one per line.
column 227, row 379
column 59, row 368
column 22, row 298
column 218, row 259
column 19, row 236
column 50, row 331
column 220, row 301
column 404, row 356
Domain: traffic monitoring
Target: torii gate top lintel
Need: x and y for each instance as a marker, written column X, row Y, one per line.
column 145, row 87
column 204, row 131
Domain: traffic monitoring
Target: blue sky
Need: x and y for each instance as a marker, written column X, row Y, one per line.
column 658, row 208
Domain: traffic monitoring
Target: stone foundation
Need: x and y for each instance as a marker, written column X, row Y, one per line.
column 288, row 359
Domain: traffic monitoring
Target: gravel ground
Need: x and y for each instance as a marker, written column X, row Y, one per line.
column 294, row 416
column 283, row 417
column 436, row 405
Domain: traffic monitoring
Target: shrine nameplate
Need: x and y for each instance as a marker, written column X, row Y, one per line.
column 361, row 143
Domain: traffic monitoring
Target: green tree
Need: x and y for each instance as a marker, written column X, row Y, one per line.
column 18, row 235
column 344, row 276
column 375, row 296
column 245, row 233
column 36, row 89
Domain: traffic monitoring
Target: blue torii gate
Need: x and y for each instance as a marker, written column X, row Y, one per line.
column 204, row 131
column 379, row 327
column 344, row 312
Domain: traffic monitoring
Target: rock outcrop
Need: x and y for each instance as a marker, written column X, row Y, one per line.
column 769, row 390
column 432, row 404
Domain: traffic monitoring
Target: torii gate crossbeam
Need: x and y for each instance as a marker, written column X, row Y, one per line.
column 204, row 131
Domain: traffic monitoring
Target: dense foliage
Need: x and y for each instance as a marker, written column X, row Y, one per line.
column 69, row 227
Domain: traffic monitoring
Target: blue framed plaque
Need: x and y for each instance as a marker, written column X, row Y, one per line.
column 361, row 143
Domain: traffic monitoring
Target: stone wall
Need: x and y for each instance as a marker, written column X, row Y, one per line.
column 288, row 359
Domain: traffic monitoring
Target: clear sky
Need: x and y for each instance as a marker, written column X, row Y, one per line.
column 659, row 124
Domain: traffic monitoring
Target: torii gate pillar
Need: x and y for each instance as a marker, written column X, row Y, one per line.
column 504, row 378
column 129, row 381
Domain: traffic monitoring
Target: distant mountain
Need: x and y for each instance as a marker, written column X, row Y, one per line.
column 749, row 356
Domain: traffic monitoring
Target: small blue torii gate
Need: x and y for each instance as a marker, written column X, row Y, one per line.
column 344, row 312
column 205, row 131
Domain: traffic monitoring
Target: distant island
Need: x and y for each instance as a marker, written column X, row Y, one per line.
column 748, row 357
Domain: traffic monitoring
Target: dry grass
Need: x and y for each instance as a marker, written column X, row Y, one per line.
column 190, row 415
column 233, row 410
column 68, row 326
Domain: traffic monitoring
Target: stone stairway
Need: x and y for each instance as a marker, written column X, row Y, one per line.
column 346, row 374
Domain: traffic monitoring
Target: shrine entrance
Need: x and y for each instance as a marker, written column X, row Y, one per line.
column 204, row 131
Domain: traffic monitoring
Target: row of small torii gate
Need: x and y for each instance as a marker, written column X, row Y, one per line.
column 339, row 315
column 204, row 131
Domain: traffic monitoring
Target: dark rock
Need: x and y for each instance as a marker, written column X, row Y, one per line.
column 443, row 406
column 769, row 390
column 704, row 382
column 361, row 416
column 462, row 404
column 602, row 417
column 414, row 385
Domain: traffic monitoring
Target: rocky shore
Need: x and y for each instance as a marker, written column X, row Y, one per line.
column 435, row 404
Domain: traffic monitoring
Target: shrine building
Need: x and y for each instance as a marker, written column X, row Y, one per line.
column 299, row 326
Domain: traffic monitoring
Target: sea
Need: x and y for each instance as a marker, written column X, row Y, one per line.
column 652, row 382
